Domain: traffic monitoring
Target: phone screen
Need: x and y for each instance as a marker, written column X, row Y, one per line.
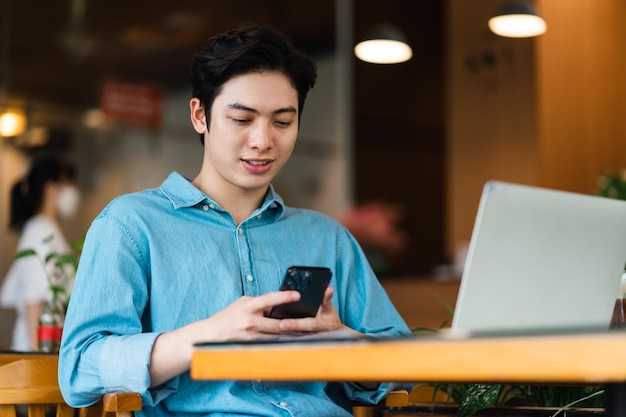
column 311, row 282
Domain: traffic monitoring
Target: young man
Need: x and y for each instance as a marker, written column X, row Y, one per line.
column 202, row 260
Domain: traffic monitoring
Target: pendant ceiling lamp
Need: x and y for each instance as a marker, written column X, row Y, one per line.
column 385, row 45
column 517, row 19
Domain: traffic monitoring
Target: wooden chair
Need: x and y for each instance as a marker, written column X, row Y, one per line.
column 30, row 381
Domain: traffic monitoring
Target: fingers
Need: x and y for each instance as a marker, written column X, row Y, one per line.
column 265, row 302
column 328, row 296
column 327, row 318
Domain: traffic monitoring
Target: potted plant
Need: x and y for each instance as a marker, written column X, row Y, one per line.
column 60, row 270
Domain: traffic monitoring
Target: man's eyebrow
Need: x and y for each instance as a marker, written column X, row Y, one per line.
column 288, row 109
column 238, row 106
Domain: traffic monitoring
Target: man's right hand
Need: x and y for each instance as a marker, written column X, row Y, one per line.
column 244, row 319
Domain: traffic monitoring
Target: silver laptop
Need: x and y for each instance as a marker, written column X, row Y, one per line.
column 541, row 259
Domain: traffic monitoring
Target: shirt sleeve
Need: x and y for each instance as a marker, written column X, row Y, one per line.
column 105, row 347
column 363, row 303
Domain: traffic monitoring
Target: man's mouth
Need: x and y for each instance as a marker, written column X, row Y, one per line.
column 256, row 163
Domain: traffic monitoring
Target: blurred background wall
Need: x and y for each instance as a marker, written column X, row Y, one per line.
column 468, row 107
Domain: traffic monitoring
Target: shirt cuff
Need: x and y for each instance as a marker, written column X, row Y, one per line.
column 356, row 393
column 125, row 366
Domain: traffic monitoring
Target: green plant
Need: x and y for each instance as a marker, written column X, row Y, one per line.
column 60, row 267
column 612, row 185
column 443, row 324
column 472, row 398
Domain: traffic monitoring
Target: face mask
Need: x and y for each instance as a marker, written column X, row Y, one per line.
column 67, row 201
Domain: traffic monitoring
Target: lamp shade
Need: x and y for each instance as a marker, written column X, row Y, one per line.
column 517, row 19
column 385, row 45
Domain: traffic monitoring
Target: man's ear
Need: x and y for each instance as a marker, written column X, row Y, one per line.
column 198, row 116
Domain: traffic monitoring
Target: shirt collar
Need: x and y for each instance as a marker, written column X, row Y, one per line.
column 182, row 193
column 272, row 202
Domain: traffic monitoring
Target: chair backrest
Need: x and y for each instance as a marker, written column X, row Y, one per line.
column 30, row 381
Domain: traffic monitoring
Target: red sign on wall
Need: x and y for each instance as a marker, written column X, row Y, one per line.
column 132, row 104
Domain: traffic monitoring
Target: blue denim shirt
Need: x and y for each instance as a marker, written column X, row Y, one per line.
column 159, row 259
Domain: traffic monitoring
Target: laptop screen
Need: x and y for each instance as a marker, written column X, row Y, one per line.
column 541, row 259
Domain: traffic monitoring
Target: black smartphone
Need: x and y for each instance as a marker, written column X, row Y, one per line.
column 311, row 282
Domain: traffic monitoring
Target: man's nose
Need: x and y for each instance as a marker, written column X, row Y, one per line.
column 261, row 136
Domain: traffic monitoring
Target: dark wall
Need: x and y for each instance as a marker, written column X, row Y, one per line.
column 399, row 128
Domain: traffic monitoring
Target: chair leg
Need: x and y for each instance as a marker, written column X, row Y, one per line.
column 362, row 411
column 64, row 410
column 7, row 411
column 92, row 411
column 37, row 410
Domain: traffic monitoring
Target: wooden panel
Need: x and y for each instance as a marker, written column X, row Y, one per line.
column 582, row 92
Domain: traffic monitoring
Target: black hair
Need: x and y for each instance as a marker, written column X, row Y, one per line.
column 27, row 194
column 245, row 50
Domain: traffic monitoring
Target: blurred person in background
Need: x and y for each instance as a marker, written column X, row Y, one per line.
column 39, row 200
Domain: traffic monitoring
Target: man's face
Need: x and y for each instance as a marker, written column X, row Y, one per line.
column 253, row 130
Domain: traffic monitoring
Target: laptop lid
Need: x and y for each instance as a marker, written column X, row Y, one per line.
column 541, row 259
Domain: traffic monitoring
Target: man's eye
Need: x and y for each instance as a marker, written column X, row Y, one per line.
column 283, row 124
column 240, row 121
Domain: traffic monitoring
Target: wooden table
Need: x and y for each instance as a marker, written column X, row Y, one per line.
column 583, row 358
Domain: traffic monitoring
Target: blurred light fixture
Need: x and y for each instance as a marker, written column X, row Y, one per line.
column 94, row 119
column 12, row 123
column 385, row 45
column 517, row 19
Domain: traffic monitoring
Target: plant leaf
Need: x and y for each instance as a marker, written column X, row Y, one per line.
column 477, row 397
column 446, row 305
column 51, row 255
column 424, row 329
column 24, row 253
column 566, row 406
column 78, row 244
column 68, row 259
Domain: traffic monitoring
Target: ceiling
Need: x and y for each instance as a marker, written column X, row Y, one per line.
column 60, row 51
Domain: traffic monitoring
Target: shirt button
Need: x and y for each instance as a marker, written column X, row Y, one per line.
column 205, row 207
column 258, row 216
column 250, row 278
column 241, row 231
column 283, row 404
column 212, row 206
